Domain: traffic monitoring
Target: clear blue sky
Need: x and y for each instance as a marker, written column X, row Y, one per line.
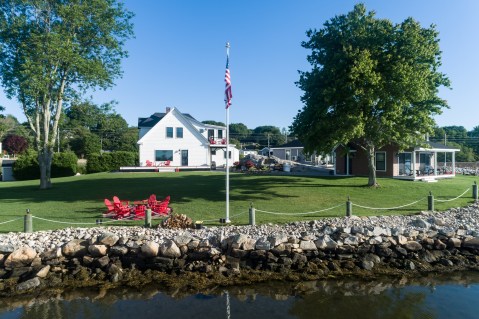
column 178, row 56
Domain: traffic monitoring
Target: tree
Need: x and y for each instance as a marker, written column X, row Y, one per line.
column 372, row 83
column 213, row 123
column 268, row 135
column 239, row 131
column 15, row 144
column 53, row 51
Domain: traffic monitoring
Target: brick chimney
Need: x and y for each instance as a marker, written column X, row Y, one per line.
column 168, row 109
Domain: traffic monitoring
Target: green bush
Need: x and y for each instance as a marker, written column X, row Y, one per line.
column 64, row 164
column 26, row 166
column 110, row 161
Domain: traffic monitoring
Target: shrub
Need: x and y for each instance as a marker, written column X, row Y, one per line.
column 26, row 166
column 111, row 161
column 64, row 164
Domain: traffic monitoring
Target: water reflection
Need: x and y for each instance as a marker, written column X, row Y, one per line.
column 452, row 296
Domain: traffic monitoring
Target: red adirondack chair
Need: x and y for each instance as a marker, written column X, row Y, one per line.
column 110, row 209
column 122, row 208
column 161, row 208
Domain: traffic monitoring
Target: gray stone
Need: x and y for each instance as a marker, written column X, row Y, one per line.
column 170, row 249
column 75, row 248
column 238, row 240
column 42, row 273
column 28, row 284
column 102, row 261
column 412, row 246
column 97, row 250
column 307, row 245
column 367, row 265
column 119, row 250
column 263, row 244
column 5, row 249
column 419, row 222
column 373, row 258
column 108, row 239
column 151, row 248
column 351, row 240
column 454, row 243
column 277, row 239
column 182, row 240
column 249, row 244
column 471, row 243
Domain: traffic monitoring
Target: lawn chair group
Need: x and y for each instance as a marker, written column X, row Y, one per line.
column 121, row 209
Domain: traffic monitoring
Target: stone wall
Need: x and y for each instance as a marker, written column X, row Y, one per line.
column 302, row 250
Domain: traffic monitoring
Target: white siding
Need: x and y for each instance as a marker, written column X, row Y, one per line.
column 195, row 142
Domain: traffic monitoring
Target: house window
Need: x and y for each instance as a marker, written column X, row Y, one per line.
column 169, row 132
column 179, row 132
column 211, row 134
column 163, row 155
column 380, row 161
column 213, row 152
column 228, row 153
column 220, row 133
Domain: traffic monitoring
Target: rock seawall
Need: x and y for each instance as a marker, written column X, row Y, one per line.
column 362, row 246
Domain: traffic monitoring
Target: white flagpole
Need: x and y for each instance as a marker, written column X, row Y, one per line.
column 227, row 220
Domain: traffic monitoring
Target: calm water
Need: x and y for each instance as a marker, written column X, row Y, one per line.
column 452, row 296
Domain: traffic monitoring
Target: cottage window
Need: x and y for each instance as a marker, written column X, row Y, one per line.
column 163, row 155
column 220, row 134
column 224, row 154
column 169, row 132
column 380, row 161
column 211, row 134
column 179, row 132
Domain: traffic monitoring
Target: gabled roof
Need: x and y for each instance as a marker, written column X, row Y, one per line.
column 188, row 119
column 156, row 117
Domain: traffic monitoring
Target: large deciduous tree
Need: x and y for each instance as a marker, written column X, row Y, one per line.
column 372, row 83
column 53, row 50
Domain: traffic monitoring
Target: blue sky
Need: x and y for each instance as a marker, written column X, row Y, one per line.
column 177, row 58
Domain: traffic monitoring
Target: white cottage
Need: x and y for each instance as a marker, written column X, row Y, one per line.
column 176, row 139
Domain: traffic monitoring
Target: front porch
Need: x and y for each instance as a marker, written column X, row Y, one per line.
column 421, row 164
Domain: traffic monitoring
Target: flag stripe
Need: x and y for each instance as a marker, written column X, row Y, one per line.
column 228, row 94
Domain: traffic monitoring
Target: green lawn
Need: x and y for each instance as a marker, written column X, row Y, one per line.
column 201, row 196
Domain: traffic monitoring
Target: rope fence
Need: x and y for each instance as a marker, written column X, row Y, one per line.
column 28, row 218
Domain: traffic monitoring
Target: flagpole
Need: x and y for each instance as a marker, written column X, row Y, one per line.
column 227, row 220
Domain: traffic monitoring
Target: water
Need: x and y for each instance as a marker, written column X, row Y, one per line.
column 451, row 296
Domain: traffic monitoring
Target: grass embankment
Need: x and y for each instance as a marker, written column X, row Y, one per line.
column 201, row 196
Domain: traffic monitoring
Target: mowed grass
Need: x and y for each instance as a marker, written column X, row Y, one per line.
column 201, row 196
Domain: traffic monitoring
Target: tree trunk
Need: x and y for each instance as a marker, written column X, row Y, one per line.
column 372, row 181
column 45, row 162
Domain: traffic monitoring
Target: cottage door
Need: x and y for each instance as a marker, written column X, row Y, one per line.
column 184, row 157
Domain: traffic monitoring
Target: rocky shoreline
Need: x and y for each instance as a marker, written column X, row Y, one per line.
column 230, row 255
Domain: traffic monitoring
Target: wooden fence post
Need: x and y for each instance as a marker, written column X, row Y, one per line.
column 28, row 222
column 349, row 207
column 430, row 202
column 148, row 218
column 252, row 217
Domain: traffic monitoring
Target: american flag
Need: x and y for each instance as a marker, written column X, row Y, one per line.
column 228, row 94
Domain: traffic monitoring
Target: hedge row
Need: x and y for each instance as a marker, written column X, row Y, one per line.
column 107, row 162
column 66, row 164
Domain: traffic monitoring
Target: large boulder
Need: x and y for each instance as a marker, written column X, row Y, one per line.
column 108, row 239
column 170, row 249
column 150, row 249
column 75, row 248
column 21, row 257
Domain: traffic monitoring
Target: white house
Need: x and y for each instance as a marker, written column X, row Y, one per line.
column 177, row 139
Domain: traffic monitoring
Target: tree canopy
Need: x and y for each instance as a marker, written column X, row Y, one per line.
column 52, row 51
column 372, row 83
